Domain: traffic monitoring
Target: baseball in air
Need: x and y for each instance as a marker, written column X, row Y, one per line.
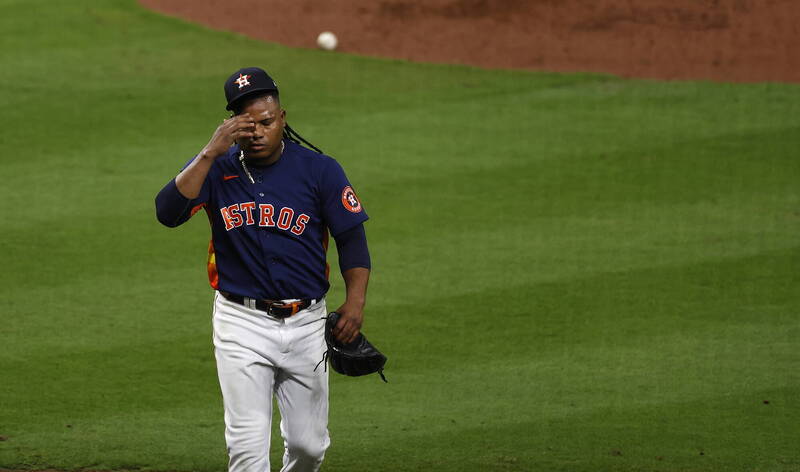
column 327, row 41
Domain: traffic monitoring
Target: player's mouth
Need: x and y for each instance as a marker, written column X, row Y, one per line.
column 257, row 147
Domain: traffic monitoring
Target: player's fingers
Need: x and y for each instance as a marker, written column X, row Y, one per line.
column 348, row 332
column 345, row 331
column 339, row 326
column 236, row 127
column 353, row 336
column 243, row 119
column 237, row 120
column 241, row 134
column 244, row 122
column 244, row 130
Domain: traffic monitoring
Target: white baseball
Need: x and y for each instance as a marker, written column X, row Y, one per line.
column 327, row 41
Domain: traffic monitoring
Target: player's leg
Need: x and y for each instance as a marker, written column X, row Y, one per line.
column 247, row 379
column 302, row 393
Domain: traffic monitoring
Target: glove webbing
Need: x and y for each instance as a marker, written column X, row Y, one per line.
column 325, row 358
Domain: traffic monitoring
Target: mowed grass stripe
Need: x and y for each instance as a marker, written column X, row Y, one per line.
column 629, row 298
column 568, row 364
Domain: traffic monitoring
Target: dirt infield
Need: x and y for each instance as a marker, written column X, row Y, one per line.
column 727, row 40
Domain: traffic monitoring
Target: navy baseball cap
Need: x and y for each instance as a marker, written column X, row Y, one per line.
column 245, row 82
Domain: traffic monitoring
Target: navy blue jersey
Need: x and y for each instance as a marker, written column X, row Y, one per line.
column 269, row 238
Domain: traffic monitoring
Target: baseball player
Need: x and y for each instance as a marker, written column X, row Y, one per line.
column 271, row 203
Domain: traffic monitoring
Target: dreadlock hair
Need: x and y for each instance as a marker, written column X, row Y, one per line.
column 288, row 132
column 292, row 135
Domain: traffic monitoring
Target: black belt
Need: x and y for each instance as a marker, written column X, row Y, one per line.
column 275, row 308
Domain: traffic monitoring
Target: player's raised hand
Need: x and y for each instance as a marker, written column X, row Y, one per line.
column 237, row 127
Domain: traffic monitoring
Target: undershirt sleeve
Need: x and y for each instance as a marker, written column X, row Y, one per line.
column 352, row 248
column 172, row 208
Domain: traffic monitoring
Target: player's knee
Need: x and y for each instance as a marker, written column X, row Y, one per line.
column 308, row 450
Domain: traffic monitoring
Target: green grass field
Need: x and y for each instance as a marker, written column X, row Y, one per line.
column 571, row 272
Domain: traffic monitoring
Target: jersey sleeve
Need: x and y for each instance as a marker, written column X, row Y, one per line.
column 173, row 209
column 341, row 207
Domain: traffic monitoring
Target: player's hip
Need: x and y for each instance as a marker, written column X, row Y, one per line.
column 254, row 336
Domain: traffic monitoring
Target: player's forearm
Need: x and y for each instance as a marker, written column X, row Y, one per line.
column 355, row 281
column 190, row 180
column 352, row 310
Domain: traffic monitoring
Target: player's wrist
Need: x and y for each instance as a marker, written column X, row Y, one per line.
column 355, row 303
column 208, row 155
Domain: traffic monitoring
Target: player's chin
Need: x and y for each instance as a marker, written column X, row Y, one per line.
column 254, row 151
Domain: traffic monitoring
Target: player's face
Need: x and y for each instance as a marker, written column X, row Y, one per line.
column 269, row 121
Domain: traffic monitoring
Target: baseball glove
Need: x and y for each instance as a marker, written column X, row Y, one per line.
column 354, row 359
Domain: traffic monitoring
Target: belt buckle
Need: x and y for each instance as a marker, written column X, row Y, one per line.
column 271, row 310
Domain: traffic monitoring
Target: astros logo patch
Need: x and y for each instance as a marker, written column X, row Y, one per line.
column 242, row 81
column 350, row 201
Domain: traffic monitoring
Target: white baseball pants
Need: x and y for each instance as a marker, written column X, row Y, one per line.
column 258, row 355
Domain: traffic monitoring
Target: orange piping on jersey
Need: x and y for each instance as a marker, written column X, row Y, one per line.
column 325, row 252
column 197, row 208
column 213, row 276
column 211, row 264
